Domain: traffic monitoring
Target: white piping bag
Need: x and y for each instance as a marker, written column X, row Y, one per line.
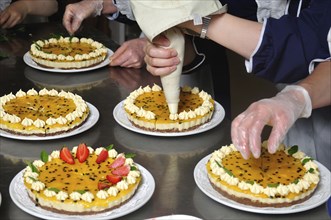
column 171, row 82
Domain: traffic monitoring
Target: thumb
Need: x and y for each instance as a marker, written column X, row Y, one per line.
column 277, row 135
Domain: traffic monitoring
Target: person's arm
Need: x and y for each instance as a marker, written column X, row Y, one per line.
column 237, row 34
column 17, row 11
column 76, row 13
column 281, row 112
column 37, row 7
column 234, row 33
column 318, row 85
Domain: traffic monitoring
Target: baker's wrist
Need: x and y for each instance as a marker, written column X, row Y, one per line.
column 98, row 7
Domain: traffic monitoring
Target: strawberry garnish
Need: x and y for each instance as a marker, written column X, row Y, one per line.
column 121, row 171
column 82, row 152
column 119, row 161
column 66, row 156
column 102, row 156
column 102, row 186
column 113, row 178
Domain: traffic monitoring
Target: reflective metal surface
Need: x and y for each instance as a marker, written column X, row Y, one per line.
column 171, row 160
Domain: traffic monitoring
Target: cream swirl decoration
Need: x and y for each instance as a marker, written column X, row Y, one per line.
column 36, row 49
column 81, row 107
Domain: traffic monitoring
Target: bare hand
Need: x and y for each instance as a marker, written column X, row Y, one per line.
column 12, row 15
column 160, row 60
column 130, row 54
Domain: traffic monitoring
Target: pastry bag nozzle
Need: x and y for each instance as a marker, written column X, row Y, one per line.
column 171, row 82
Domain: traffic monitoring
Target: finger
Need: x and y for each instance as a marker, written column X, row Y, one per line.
column 118, row 53
column 68, row 25
column 160, row 52
column 3, row 17
column 234, row 129
column 277, row 135
column 132, row 63
column 255, row 136
column 75, row 25
column 122, row 55
column 160, row 71
column 10, row 22
column 243, row 143
column 237, row 138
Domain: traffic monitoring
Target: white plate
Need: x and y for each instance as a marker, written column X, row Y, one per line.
column 91, row 120
column 28, row 60
column 143, row 194
column 319, row 197
column 175, row 217
column 121, row 118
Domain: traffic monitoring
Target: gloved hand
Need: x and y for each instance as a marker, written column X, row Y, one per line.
column 76, row 13
column 280, row 112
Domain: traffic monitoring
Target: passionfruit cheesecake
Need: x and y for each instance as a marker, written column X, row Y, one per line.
column 146, row 108
column 82, row 181
column 282, row 179
column 68, row 52
column 42, row 113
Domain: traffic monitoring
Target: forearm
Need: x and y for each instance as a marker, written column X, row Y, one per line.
column 237, row 34
column 318, row 85
column 39, row 7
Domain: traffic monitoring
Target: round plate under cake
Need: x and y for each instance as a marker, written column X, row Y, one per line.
column 320, row 196
column 143, row 194
column 28, row 60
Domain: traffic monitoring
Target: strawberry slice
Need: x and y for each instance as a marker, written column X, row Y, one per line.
column 102, row 156
column 102, row 185
column 113, row 178
column 82, row 152
column 66, row 156
column 118, row 162
column 121, row 171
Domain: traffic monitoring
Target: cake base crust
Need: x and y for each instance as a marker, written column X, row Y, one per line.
column 167, row 130
column 256, row 203
column 81, row 213
column 46, row 134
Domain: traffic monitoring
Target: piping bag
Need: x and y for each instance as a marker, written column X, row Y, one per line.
column 171, row 82
column 161, row 16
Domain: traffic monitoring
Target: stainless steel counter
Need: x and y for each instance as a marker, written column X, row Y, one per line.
column 171, row 160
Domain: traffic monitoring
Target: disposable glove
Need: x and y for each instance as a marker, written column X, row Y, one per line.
column 124, row 7
column 76, row 13
column 280, row 112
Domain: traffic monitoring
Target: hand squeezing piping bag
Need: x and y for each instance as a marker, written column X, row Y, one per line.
column 171, row 82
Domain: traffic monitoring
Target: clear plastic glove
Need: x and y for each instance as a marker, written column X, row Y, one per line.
column 76, row 13
column 130, row 54
column 280, row 112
